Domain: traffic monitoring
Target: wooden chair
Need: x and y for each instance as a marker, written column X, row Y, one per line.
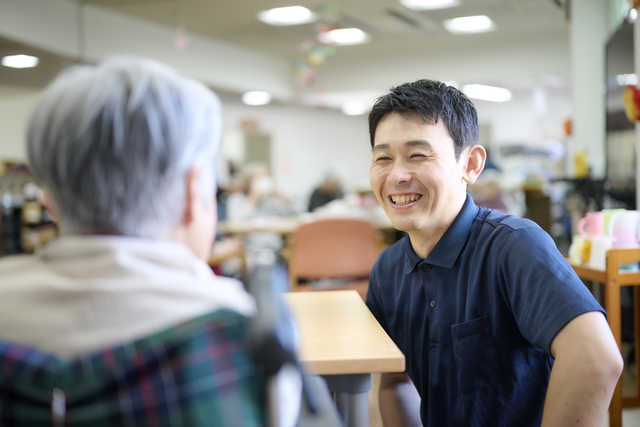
column 333, row 250
column 613, row 279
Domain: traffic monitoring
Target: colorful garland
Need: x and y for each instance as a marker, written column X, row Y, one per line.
column 317, row 49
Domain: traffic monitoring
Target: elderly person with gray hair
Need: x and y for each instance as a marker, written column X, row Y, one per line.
column 125, row 154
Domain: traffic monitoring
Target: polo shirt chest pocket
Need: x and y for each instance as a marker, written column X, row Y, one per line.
column 475, row 354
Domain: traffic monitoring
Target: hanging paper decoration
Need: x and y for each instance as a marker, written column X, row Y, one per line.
column 181, row 40
column 631, row 99
column 317, row 49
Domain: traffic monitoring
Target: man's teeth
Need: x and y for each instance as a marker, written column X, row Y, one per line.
column 403, row 200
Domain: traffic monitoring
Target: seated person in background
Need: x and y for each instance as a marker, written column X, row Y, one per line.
column 259, row 198
column 330, row 189
column 486, row 191
column 125, row 154
column 496, row 327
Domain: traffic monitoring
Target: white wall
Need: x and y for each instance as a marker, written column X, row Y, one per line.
column 15, row 106
column 525, row 120
column 305, row 142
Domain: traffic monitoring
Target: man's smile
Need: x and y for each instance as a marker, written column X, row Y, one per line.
column 404, row 199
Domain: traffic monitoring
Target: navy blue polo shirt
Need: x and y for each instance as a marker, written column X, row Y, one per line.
column 476, row 318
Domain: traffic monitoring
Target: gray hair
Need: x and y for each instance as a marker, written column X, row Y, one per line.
column 112, row 145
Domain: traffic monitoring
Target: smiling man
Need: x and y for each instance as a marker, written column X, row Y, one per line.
column 496, row 327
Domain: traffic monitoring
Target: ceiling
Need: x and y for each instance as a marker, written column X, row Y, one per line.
column 392, row 26
column 395, row 31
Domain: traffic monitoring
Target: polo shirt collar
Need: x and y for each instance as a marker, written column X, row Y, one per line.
column 448, row 248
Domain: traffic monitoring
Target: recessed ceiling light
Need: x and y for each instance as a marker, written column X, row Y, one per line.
column 487, row 93
column 345, row 37
column 291, row 15
column 354, row 108
column 469, row 24
column 256, row 97
column 627, row 79
column 20, row 61
column 429, row 4
column 633, row 14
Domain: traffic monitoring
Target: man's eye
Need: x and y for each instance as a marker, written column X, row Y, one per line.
column 382, row 158
column 417, row 155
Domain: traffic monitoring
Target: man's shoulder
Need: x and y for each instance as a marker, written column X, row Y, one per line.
column 496, row 219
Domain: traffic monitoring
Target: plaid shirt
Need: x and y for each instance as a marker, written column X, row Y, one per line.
column 195, row 374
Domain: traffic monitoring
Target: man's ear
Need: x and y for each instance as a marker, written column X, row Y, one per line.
column 474, row 163
column 49, row 206
column 192, row 195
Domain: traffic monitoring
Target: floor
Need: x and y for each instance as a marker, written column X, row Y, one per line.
column 630, row 417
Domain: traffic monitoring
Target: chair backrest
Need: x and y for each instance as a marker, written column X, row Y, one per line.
column 333, row 249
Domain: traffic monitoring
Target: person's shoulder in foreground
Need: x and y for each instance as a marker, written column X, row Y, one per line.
column 124, row 151
column 499, row 313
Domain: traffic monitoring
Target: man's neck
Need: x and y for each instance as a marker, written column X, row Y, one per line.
column 423, row 241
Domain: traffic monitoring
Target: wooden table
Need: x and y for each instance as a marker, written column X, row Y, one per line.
column 281, row 225
column 342, row 341
column 613, row 279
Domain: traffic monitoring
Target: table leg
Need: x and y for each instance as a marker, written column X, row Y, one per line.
column 612, row 307
column 352, row 397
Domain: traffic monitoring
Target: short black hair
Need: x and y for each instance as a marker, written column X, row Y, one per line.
column 433, row 100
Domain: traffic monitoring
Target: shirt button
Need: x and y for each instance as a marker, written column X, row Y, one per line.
column 432, row 303
column 427, row 267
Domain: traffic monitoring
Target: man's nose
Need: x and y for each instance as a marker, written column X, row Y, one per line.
column 400, row 173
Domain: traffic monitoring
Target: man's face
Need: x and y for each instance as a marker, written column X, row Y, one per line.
column 415, row 176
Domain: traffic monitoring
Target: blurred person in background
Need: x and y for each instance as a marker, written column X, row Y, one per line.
column 125, row 154
column 259, row 198
column 496, row 327
column 330, row 189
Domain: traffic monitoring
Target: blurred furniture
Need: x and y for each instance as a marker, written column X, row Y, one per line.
column 281, row 225
column 538, row 208
column 226, row 250
column 333, row 253
column 613, row 278
column 342, row 341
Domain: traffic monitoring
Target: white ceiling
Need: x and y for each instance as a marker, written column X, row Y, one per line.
column 393, row 27
column 529, row 46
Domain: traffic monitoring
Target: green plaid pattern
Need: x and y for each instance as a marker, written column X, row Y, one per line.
column 199, row 373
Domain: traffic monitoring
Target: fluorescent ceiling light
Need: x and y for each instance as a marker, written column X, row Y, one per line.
column 292, row 15
column 355, row 108
column 428, row 4
column 345, row 37
column 20, row 61
column 256, row 97
column 627, row 79
column 487, row 93
column 469, row 24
